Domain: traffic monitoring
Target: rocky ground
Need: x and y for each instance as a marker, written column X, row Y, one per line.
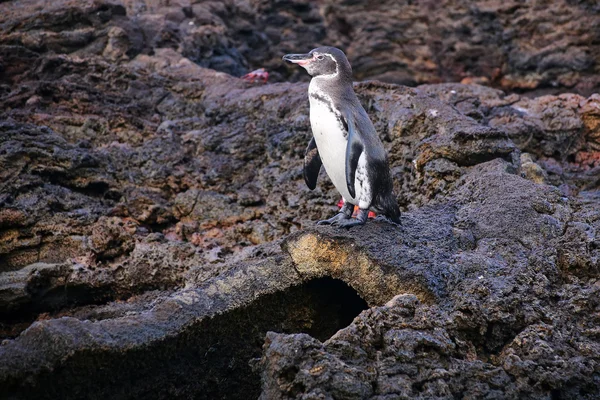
column 535, row 46
column 155, row 227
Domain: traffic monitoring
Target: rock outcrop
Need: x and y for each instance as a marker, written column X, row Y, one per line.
column 517, row 46
column 507, row 319
column 155, row 226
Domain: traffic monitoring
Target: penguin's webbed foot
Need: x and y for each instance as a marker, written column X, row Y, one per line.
column 349, row 223
column 361, row 218
column 335, row 220
column 344, row 214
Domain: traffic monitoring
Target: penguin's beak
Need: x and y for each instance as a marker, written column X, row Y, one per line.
column 300, row 59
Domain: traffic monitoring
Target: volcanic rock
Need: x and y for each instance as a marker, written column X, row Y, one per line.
column 155, row 226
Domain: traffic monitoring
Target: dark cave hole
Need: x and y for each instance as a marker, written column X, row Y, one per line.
column 335, row 305
column 210, row 359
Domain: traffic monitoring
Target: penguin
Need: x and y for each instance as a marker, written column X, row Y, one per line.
column 344, row 141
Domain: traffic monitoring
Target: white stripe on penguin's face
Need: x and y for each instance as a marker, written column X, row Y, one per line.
column 328, row 76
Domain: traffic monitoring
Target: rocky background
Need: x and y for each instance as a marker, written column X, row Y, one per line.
column 157, row 238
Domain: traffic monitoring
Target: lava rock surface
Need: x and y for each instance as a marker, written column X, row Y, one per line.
column 538, row 47
column 155, row 226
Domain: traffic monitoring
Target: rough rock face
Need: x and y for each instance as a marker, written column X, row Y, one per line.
column 154, row 224
column 507, row 321
column 509, row 44
column 525, row 46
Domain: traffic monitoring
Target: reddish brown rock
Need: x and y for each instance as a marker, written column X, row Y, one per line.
column 511, row 45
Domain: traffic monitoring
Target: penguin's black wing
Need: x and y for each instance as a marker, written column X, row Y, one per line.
column 312, row 164
column 354, row 149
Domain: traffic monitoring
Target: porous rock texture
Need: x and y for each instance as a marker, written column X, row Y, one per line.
column 507, row 317
column 534, row 46
column 155, row 226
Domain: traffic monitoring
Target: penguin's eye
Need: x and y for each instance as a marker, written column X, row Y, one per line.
column 320, row 57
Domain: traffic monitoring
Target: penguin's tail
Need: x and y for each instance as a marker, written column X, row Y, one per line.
column 385, row 201
column 389, row 207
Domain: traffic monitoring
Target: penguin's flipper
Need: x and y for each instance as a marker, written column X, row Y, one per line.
column 354, row 149
column 312, row 164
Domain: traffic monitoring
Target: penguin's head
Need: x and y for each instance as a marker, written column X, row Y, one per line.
column 324, row 62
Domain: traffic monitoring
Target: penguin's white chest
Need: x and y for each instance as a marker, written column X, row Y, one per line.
column 331, row 139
